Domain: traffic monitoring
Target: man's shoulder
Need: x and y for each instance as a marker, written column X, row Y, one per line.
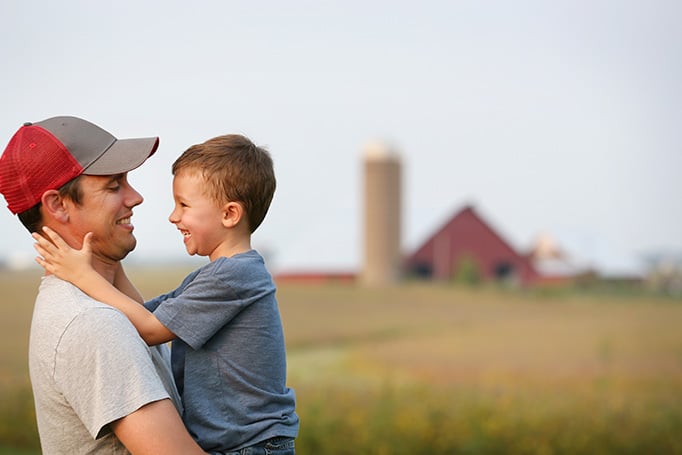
column 61, row 303
column 55, row 290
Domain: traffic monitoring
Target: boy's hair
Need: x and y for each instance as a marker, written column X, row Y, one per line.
column 32, row 219
column 235, row 170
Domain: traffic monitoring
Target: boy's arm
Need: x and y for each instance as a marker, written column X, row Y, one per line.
column 74, row 266
column 155, row 428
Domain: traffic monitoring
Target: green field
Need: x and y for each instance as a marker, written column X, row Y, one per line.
column 441, row 369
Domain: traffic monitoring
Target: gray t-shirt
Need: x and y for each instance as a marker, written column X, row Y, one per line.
column 88, row 368
column 229, row 359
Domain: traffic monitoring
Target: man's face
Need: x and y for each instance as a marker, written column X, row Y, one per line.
column 105, row 210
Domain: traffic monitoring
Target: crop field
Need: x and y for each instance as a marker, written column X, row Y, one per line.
column 440, row 369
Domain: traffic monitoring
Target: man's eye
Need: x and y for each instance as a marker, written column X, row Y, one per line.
column 114, row 187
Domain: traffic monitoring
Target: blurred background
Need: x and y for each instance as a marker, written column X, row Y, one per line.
column 474, row 232
column 549, row 117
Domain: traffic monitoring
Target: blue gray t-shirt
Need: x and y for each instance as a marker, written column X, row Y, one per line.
column 229, row 358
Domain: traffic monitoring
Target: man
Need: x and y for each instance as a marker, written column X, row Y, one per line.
column 98, row 387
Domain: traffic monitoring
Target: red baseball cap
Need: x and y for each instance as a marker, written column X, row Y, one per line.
column 45, row 155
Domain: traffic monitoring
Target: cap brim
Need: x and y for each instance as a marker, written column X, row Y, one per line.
column 124, row 155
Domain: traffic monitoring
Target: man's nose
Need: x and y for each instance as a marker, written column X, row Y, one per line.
column 133, row 198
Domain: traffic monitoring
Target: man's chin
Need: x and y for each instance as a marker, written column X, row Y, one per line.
column 130, row 249
column 123, row 252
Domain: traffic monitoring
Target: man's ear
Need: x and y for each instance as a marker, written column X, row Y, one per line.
column 53, row 204
column 232, row 214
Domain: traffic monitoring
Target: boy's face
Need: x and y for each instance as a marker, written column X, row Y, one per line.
column 106, row 211
column 197, row 217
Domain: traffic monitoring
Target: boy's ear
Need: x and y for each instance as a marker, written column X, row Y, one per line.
column 232, row 214
column 53, row 204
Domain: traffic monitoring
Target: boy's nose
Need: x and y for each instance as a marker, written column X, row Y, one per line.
column 173, row 217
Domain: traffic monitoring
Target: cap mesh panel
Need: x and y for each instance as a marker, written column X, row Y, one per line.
column 34, row 162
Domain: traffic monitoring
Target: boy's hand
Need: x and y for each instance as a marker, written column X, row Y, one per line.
column 58, row 258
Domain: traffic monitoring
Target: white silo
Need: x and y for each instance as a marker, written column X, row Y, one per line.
column 382, row 215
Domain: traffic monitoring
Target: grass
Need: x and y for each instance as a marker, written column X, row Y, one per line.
column 442, row 369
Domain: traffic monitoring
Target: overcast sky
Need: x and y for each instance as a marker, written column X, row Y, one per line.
column 548, row 116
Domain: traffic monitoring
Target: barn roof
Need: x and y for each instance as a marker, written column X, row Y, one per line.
column 467, row 236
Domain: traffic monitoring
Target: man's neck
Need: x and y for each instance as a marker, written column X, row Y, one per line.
column 106, row 269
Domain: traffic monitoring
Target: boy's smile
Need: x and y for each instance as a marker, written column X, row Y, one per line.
column 197, row 217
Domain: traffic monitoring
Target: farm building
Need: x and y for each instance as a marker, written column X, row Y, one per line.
column 556, row 266
column 468, row 248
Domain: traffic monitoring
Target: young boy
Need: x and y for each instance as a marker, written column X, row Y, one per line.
column 228, row 354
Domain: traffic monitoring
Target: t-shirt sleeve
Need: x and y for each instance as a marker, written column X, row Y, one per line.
column 153, row 304
column 105, row 370
column 207, row 303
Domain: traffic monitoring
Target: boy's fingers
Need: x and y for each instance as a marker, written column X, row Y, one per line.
column 54, row 237
column 40, row 240
column 36, row 237
column 41, row 262
column 87, row 242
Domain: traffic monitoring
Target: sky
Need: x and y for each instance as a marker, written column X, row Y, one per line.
column 559, row 117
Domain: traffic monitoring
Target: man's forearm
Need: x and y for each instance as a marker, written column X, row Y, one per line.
column 155, row 428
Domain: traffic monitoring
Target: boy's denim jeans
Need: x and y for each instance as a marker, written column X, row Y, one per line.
column 274, row 446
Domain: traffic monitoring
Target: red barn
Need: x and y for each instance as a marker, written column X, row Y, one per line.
column 467, row 245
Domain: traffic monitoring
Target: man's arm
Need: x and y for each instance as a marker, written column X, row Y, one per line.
column 155, row 428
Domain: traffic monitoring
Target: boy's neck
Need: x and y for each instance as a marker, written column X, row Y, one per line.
column 231, row 247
